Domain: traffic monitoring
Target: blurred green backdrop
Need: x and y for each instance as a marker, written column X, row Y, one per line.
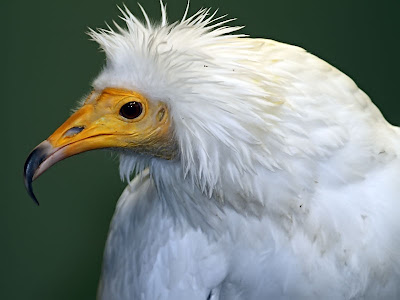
column 55, row 251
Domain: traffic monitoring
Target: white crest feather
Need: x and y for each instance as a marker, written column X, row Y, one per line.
column 226, row 97
column 300, row 166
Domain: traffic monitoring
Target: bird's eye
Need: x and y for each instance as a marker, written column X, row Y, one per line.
column 131, row 110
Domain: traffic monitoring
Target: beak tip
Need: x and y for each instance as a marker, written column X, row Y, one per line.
column 35, row 158
column 28, row 186
column 29, row 189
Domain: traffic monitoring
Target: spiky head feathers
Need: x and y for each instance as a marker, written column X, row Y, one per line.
column 221, row 101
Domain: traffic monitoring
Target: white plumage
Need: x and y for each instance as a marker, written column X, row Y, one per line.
column 286, row 182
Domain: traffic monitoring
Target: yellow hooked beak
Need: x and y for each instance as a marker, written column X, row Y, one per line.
column 114, row 118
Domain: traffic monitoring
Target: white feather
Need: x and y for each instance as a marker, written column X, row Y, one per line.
column 287, row 182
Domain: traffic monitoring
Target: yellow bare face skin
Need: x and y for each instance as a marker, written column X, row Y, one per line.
column 141, row 126
column 101, row 125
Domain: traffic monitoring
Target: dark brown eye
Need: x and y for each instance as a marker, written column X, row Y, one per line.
column 131, row 110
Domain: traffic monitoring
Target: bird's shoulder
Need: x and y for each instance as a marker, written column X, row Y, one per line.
column 145, row 240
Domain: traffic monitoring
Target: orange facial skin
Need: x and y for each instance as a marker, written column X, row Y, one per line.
column 99, row 123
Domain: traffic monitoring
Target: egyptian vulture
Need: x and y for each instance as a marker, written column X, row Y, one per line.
column 261, row 171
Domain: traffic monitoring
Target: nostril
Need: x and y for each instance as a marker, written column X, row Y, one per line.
column 73, row 131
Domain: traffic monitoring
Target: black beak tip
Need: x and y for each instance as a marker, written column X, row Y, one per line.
column 35, row 158
column 29, row 189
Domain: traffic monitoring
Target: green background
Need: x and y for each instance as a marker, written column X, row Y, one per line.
column 55, row 251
